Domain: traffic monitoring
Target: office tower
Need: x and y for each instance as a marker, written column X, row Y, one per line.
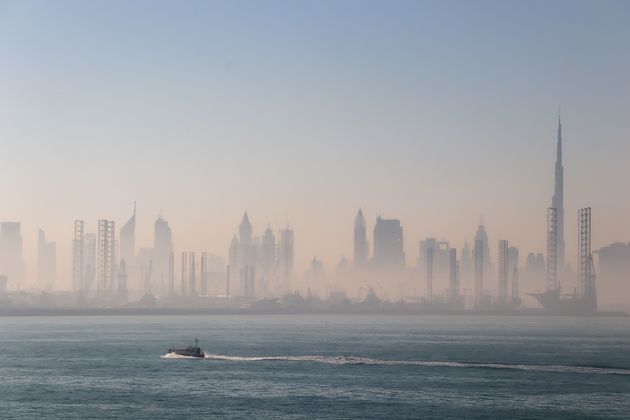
column 234, row 254
column 479, row 255
column 535, row 270
column 388, row 244
column 192, row 280
column 285, row 258
column 513, row 258
column 552, row 248
column 203, row 274
column 184, row 273
column 361, row 246
column 89, row 256
column 46, row 261
column 78, row 256
column 269, row 258
column 503, row 270
column 171, row 273
column 557, row 202
column 515, row 293
column 128, row 239
column 429, row 268
column 586, row 280
column 122, row 281
column 613, row 273
column 481, row 261
column 162, row 247
column 106, row 256
column 11, row 260
column 453, row 276
column 466, row 267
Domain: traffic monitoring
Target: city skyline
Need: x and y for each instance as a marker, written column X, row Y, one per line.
column 397, row 130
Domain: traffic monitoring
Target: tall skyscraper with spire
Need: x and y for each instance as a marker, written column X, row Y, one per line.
column 557, row 201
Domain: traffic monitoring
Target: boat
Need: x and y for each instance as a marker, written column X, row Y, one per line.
column 189, row 351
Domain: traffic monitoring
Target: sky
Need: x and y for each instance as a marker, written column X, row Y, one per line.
column 300, row 112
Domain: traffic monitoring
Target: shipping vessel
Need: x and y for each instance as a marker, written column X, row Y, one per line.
column 190, row 351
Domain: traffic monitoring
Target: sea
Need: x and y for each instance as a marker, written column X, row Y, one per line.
column 315, row 366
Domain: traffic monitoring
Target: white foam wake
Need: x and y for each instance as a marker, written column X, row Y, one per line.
column 351, row 360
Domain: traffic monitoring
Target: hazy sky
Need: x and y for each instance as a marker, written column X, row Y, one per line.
column 431, row 112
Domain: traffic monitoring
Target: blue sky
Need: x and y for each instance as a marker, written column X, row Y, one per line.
column 433, row 112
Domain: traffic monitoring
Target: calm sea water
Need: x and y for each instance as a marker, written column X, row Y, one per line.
column 316, row 367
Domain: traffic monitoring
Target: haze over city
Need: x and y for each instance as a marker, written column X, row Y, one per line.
column 435, row 118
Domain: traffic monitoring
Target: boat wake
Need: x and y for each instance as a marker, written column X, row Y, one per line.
column 177, row 356
column 350, row 360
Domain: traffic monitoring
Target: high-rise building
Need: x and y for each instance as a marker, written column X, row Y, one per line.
column 78, row 256
column 586, row 283
column 162, row 247
column 361, row 246
column 503, row 271
column 552, row 248
column 613, row 274
column 46, row 261
column 557, row 201
column 286, row 258
column 11, row 260
column 128, row 240
column 388, row 244
column 106, row 256
column 453, row 276
column 481, row 257
column 268, row 259
column 122, row 281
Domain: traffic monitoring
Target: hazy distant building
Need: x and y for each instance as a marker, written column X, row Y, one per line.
column 268, row 259
column 557, row 202
column 434, row 262
column 535, row 269
column 361, row 246
column 162, row 247
column 286, row 258
column 46, row 261
column 106, row 265
column 11, row 260
column 503, row 274
column 481, row 258
column 613, row 277
column 128, row 240
column 388, row 244
column 78, row 256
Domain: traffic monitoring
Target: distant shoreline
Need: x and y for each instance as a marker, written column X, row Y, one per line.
column 28, row 312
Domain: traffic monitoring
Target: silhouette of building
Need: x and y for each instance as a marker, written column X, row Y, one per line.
column 286, row 258
column 46, row 261
column 361, row 246
column 453, row 276
column 557, row 202
column 106, row 270
column 586, row 281
column 388, row 244
column 128, row 240
column 268, row 259
column 503, row 271
column 535, row 270
column 11, row 259
column 481, row 257
column 552, row 248
column 162, row 247
column 78, row 256
column 613, row 280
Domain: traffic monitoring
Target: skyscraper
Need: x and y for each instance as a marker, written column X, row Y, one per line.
column 106, row 256
column 128, row 240
column 11, row 259
column 481, row 258
column 162, row 247
column 557, row 201
column 503, row 271
column 46, row 261
column 360, row 240
column 78, row 256
column 388, row 244
column 286, row 255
